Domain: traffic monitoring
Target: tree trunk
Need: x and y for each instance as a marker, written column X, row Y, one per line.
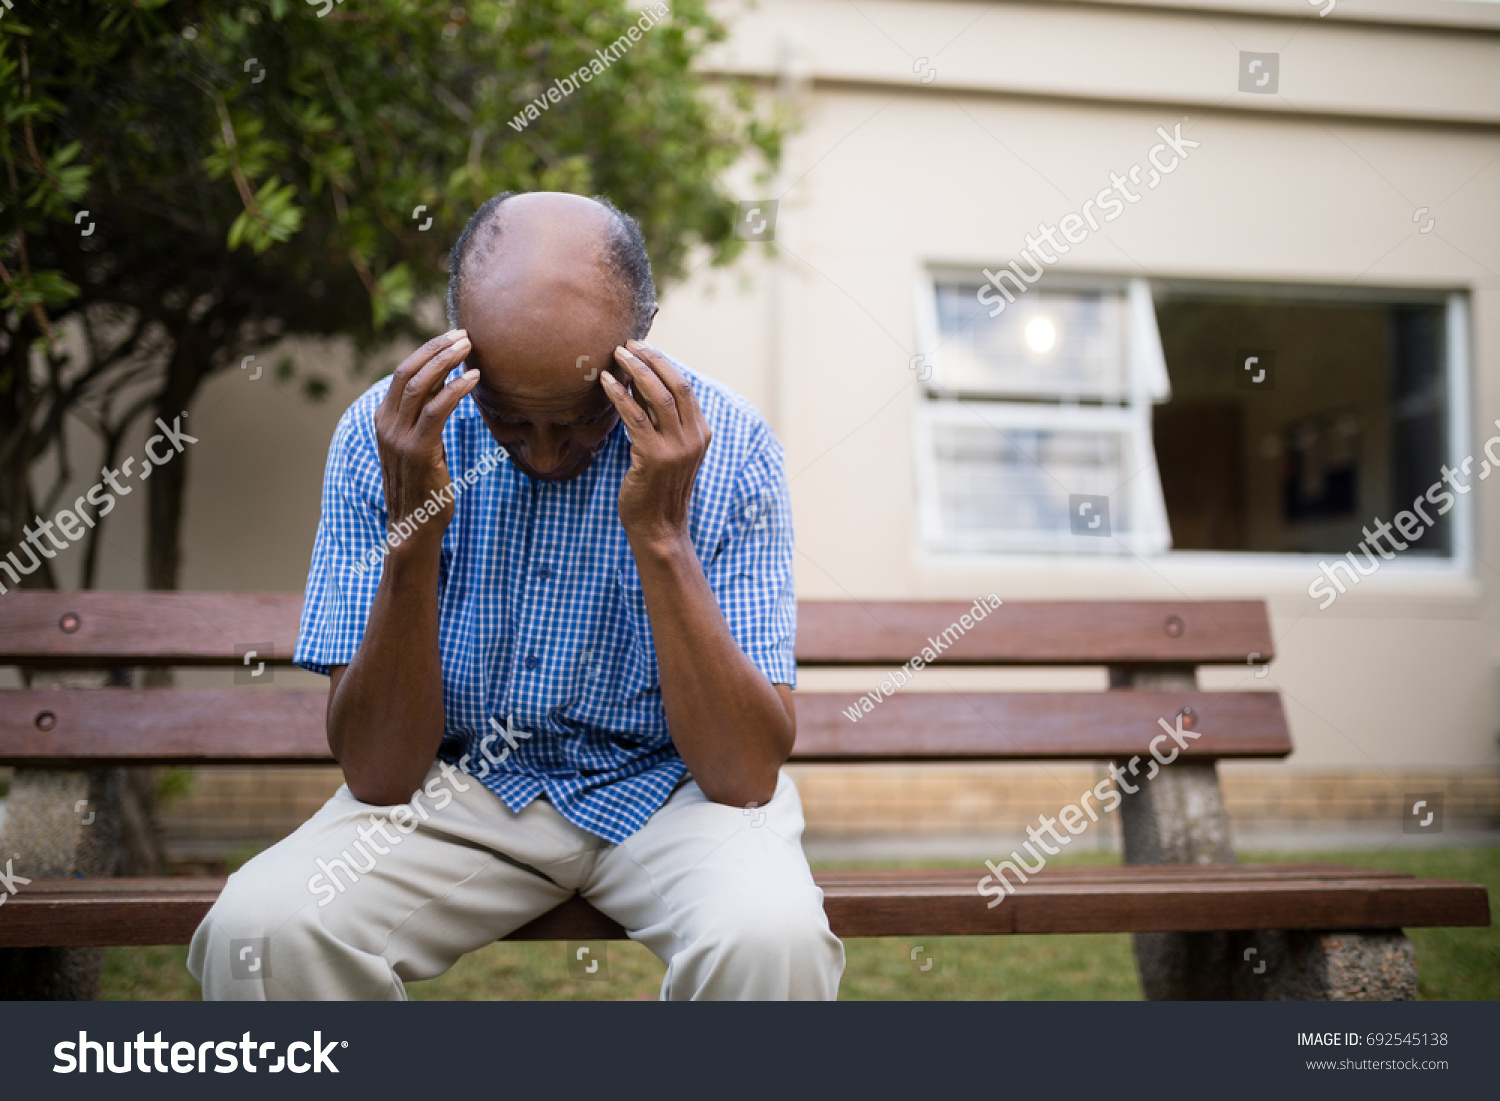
column 18, row 442
column 165, row 492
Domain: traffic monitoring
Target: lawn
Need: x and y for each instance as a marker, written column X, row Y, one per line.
column 1452, row 964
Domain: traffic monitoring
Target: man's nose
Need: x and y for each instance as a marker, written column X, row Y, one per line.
column 548, row 450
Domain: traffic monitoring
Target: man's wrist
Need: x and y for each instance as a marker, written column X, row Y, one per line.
column 663, row 548
column 415, row 554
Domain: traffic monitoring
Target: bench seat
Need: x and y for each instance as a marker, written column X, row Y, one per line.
column 870, row 903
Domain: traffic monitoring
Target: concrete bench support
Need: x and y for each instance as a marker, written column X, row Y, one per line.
column 70, row 823
column 1312, row 965
column 1179, row 818
column 59, row 825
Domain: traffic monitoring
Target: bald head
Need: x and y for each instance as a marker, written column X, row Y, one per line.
column 547, row 286
column 619, row 239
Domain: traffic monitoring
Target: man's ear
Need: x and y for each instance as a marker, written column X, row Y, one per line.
column 654, row 311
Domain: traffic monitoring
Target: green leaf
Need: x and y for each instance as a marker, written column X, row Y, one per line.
column 46, row 288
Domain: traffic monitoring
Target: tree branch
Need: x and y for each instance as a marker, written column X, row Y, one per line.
column 226, row 129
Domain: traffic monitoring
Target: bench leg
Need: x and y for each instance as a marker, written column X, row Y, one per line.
column 1319, row 966
column 1183, row 967
column 59, row 824
column 1179, row 818
column 1176, row 818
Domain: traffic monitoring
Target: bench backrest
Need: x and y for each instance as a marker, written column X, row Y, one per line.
column 281, row 725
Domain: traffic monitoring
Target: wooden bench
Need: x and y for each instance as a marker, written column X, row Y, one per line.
column 1205, row 926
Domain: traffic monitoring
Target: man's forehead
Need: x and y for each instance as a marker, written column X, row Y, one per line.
column 547, row 322
column 543, row 350
column 561, row 395
column 542, row 293
column 540, row 280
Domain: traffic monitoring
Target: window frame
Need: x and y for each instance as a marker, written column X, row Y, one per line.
column 1261, row 566
column 1145, row 529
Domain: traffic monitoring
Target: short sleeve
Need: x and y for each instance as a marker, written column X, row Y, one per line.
column 751, row 573
column 349, row 552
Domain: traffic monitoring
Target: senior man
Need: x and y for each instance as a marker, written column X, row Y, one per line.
column 568, row 672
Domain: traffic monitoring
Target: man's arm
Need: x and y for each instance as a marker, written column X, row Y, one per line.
column 385, row 708
column 733, row 727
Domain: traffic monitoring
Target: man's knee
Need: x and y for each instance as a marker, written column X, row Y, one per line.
column 776, row 926
column 262, row 916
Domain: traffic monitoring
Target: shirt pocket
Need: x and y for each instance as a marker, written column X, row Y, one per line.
column 639, row 670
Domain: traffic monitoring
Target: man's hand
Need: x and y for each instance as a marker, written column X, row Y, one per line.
column 409, row 426
column 385, row 708
column 668, row 439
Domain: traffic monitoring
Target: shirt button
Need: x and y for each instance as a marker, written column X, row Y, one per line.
column 544, row 572
column 532, row 661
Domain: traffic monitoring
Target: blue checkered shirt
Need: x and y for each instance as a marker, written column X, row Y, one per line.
column 542, row 621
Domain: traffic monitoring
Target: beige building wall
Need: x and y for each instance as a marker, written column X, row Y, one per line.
column 1031, row 109
column 1382, row 107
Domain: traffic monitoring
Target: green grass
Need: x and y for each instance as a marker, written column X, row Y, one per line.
column 1452, row 964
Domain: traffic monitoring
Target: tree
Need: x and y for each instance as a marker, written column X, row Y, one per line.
column 255, row 170
column 187, row 182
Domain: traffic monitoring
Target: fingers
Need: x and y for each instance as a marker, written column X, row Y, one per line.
column 421, row 374
column 689, row 414
column 635, row 418
column 411, row 365
column 435, row 412
column 662, row 364
column 427, row 382
column 655, row 396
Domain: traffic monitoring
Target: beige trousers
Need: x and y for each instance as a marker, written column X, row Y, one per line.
column 362, row 899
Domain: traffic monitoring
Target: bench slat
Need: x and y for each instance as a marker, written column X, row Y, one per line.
column 1131, row 899
column 152, row 628
column 203, row 628
column 1109, row 873
column 1021, row 726
column 274, row 726
column 1037, row 632
column 1191, row 905
column 159, row 726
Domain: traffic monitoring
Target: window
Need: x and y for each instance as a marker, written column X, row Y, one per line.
column 1193, row 416
column 1044, row 402
column 1004, row 475
column 1349, row 423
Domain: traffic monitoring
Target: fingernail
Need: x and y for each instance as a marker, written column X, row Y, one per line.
column 461, row 342
column 453, row 334
column 472, row 372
